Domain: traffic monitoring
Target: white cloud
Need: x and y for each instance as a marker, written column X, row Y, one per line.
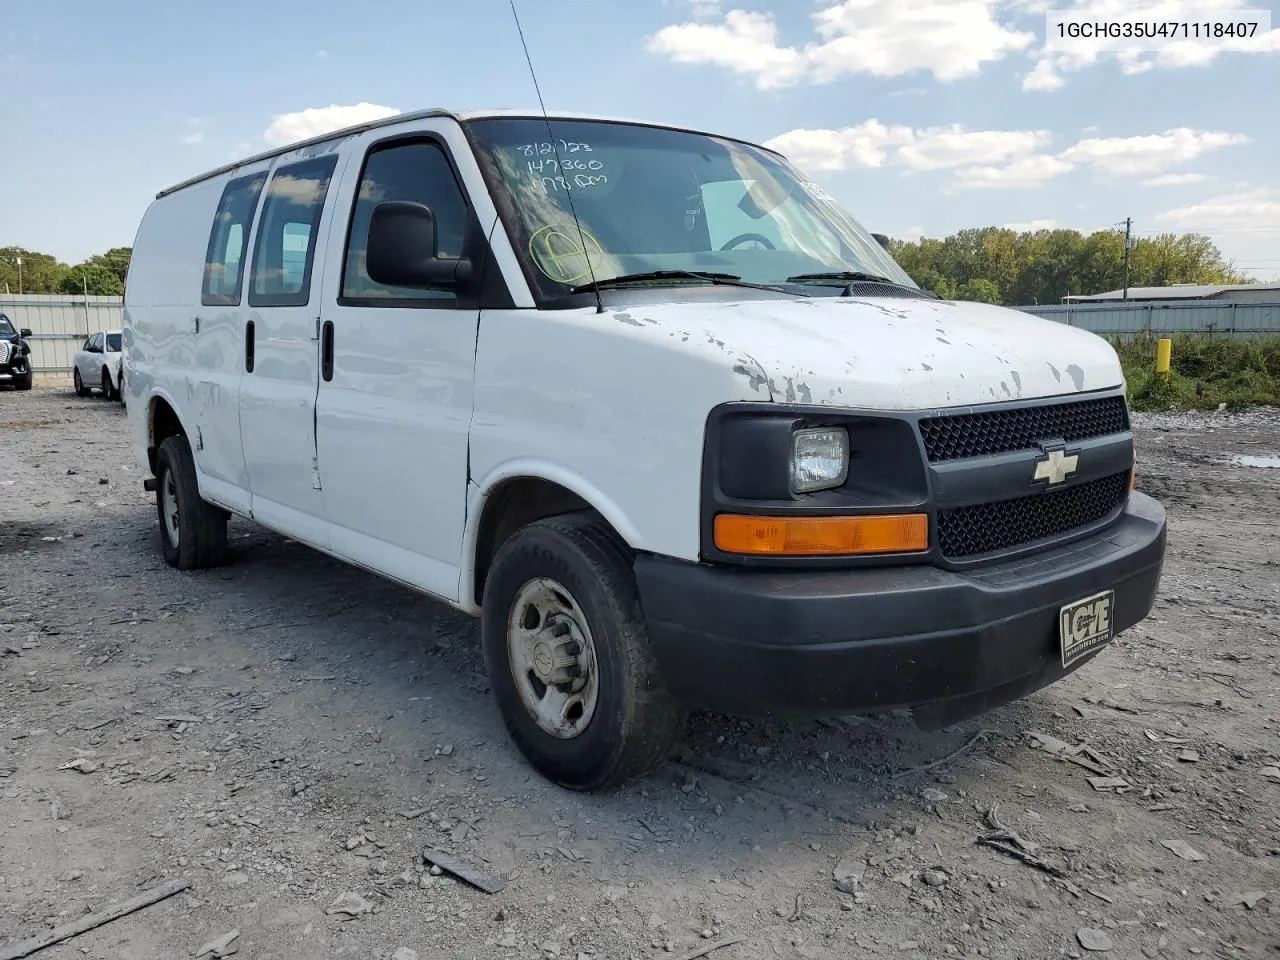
column 866, row 145
column 889, row 38
column 1255, row 210
column 943, row 147
column 744, row 43
column 873, row 144
column 883, row 38
column 1032, row 226
column 193, row 138
column 1032, row 171
column 1174, row 180
column 1052, row 65
column 1151, row 153
column 1009, row 159
column 322, row 54
column 316, row 121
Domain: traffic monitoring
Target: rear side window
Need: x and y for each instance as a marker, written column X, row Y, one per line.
column 224, row 260
column 284, row 250
column 417, row 171
column 113, row 342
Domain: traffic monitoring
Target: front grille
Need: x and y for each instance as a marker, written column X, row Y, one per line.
column 1005, row 524
column 1003, row 431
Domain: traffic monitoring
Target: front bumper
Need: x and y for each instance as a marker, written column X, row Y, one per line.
column 17, row 369
column 949, row 644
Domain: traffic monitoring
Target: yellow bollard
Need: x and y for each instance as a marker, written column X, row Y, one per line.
column 1164, row 352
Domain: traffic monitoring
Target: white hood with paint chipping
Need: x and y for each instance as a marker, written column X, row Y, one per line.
column 888, row 354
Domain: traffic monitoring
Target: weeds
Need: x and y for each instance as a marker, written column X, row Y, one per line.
column 1205, row 371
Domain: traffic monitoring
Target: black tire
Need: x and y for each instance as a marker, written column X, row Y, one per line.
column 635, row 722
column 120, row 390
column 24, row 383
column 81, row 389
column 108, row 391
column 201, row 527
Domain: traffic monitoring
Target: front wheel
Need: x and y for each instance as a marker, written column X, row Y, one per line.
column 568, row 655
column 193, row 533
column 23, row 381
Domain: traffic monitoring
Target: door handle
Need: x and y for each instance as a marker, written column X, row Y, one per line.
column 248, row 347
column 326, row 350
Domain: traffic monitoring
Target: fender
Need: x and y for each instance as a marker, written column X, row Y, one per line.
column 478, row 494
column 224, row 495
column 160, row 393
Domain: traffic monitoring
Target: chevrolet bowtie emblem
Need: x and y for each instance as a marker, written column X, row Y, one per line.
column 1056, row 466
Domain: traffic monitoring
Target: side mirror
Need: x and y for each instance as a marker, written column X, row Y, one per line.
column 402, row 249
column 882, row 240
column 24, row 332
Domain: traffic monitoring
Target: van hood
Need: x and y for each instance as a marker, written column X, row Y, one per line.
column 885, row 354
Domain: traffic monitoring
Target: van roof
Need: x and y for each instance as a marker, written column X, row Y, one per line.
column 460, row 116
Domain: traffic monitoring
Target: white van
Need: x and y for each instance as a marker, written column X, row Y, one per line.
column 651, row 404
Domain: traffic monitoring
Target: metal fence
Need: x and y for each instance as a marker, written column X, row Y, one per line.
column 1166, row 316
column 59, row 324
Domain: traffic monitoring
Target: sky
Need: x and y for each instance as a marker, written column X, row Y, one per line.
column 922, row 117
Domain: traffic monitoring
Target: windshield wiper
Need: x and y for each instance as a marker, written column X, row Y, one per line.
column 625, row 278
column 847, row 278
column 719, row 279
column 841, row 277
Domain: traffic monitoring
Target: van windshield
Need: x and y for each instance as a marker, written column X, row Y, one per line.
column 656, row 200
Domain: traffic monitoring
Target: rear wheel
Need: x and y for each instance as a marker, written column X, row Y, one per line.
column 569, row 658
column 81, row 389
column 108, row 391
column 193, row 534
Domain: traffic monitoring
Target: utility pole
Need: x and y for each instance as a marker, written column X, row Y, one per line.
column 1128, row 229
column 19, row 260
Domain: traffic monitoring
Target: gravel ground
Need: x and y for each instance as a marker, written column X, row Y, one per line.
column 287, row 732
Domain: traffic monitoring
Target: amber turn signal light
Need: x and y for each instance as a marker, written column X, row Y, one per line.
column 821, row 536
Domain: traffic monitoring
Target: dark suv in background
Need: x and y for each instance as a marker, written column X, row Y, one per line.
column 15, row 355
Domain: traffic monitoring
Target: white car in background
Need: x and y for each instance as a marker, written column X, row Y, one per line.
column 97, row 365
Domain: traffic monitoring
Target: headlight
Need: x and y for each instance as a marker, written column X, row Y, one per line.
column 819, row 459
column 5, row 350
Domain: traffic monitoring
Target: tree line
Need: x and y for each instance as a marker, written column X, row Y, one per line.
column 102, row 275
column 998, row 265
column 989, row 264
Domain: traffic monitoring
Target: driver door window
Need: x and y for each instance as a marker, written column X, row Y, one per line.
column 417, row 171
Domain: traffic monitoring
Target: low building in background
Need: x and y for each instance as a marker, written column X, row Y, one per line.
column 1236, row 309
column 1219, row 292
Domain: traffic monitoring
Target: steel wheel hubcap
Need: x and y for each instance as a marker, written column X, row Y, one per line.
column 169, row 506
column 552, row 658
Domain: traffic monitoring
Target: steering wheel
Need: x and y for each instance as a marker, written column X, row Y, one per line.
column 746, row 237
